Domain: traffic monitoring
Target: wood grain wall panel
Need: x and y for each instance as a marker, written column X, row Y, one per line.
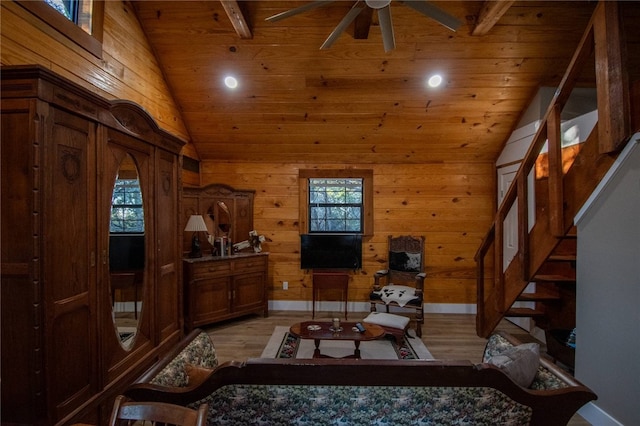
column 451, row 204
column 128, row 69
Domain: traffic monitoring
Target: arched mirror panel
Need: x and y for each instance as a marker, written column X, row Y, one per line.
column 127, row 252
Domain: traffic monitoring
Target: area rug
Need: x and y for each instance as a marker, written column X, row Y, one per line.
column 284, row 345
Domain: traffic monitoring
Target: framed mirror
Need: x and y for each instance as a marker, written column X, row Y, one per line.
column 127, row 254
column 227, row 212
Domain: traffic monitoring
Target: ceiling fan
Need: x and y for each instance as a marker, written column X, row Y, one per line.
column 384, row 17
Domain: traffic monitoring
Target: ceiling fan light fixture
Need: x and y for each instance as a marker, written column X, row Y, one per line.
column 383, row 7
column 435, row 80
column 377, row 4
column 231, row 82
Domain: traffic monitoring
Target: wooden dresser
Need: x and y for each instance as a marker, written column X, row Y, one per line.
column 217, row 288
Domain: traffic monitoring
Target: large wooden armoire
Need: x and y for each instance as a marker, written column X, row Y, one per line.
column 63, row 147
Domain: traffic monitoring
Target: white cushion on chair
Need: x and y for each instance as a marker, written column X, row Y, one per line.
column 387, row 320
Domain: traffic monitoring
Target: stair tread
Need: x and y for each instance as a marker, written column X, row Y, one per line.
column 562, row 257
column 538, row 297
column 550, row 277
column 523, row 312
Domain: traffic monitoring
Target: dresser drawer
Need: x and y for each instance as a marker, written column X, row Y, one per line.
column 209, row 269
column 249, row 264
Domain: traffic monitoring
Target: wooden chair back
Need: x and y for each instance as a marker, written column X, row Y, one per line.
column 406, row 258
column 127, row 413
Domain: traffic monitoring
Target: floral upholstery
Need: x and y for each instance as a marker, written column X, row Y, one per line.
column 199, row 352
column 350, row 405
column 544, row 379
column 362, row 405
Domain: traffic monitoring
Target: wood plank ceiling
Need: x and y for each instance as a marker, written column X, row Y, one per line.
column 354, row 103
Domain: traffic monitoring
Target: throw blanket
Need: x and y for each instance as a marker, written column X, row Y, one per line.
column 397, row 293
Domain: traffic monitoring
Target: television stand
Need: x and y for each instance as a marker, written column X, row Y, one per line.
column 330, row 280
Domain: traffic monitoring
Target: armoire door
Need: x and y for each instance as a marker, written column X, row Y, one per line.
column 125, row 154
column 169, row 311
column 67, row 217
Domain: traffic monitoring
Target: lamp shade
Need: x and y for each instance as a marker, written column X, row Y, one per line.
column 196, row 224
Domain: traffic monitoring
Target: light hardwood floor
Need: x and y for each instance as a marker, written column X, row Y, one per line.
column 447, row 336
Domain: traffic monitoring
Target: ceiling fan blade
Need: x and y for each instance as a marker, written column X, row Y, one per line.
column 298, row 10
column 346, row 21
column 386, row 26
column 436, row 13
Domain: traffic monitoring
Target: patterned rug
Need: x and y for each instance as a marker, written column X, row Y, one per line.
column 284, row 345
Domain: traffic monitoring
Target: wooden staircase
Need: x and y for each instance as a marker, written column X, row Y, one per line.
column 555, row 289
column 555, row 183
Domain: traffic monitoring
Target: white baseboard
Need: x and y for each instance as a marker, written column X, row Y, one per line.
column 305, row 305
column 594, row 415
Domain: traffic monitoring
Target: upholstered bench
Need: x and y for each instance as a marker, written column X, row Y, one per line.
column 395, row 325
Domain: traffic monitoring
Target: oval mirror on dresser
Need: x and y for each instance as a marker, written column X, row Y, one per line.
column 126, row 252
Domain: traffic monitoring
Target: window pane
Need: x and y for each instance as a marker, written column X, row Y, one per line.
column 77, row 11
column 335, row 205
column 61, row 7
column 127, row 214
column 354, row 196
column 353, row 225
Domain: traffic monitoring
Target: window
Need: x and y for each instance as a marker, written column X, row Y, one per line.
column 336, row 201
column 79, row 21
column 127, row 213
column 77, row 11
column 335, row 205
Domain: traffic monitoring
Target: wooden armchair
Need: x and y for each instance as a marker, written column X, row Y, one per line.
column 127, row 413
column 402, row 283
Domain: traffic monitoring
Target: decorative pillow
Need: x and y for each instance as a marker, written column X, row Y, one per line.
column 520, row 363
column 402, row 261
column 197, row 374
column 200, row 351
column 387, row 320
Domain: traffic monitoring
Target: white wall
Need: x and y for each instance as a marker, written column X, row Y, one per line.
column 608, row 296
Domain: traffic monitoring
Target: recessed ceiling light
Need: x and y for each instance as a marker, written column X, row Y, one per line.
column 231, row 82
column 435, row 80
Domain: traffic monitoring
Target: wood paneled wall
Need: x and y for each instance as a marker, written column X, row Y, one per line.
column 127, row 70
column 451, row 204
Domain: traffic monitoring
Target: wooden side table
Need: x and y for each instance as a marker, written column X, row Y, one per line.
column 330, row 280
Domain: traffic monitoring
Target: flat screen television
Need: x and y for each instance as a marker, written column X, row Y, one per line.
column 331, row 251
column 126, row 252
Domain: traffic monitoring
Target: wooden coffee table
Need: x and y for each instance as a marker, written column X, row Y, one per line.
column 307, row 330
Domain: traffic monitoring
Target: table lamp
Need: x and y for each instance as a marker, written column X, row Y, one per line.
column 195, row 224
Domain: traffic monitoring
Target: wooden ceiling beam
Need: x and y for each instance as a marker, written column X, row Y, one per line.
column 490, row 14
column 362, row 23
column 232, row 8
